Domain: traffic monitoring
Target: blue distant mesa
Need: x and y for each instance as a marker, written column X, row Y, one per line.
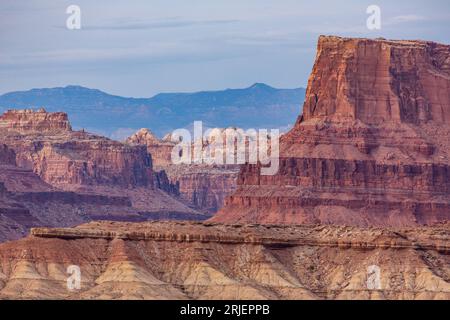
column 258, row 106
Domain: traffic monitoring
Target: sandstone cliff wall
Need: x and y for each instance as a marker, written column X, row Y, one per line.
column 45, row 143
column 204, row 187
column 379, row 80
column 34, row 121
column 372, row 146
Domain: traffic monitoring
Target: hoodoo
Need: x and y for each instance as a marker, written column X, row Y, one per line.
column 371, row 147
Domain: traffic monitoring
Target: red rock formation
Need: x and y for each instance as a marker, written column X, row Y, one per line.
column 65, row 177
column 159, row 150
column 27, row 201
column 181, row 260
column 372, row 146
column 45, row 143
column 202, row 186
column 78, row 158
column 25, row 121
column 378, row 81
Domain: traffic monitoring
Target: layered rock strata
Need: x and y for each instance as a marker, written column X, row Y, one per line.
column 372, row 146
column 27, row 201
column 35, row 121
column 45, row 143
column 159, row 149
column 53, row 176
column 203, row 186
column 180, row 260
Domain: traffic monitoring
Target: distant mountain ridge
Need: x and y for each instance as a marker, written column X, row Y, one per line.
column 258, row 106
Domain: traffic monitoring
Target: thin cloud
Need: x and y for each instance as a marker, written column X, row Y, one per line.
column 406, row 19
column 156, row 24
column 156, row 53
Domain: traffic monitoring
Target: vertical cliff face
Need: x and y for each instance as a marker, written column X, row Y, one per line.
column 202, row 186
column 92, row 161
column 377, row 81
column 26, row 121
column 45, row 143
column 53, row 176
column 372, row 146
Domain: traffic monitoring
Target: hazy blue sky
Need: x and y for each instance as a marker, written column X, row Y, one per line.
column 142, row 47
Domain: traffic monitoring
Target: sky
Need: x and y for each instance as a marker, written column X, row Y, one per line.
column 138, row 48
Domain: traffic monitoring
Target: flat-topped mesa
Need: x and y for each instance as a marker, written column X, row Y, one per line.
column 45, row 143
column 371, row 148
column 24, row 121
column 386, row 99
column 379, row 80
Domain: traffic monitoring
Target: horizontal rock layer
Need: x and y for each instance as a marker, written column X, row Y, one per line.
column 53, row 176
column 25, row 121
column 372, row 146
column 376, row 81
column 203, row 186
column 163, row 260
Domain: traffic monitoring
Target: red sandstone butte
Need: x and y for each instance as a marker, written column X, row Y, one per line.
column 371, row 147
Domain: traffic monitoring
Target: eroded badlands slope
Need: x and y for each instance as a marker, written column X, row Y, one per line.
column 186, row 260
